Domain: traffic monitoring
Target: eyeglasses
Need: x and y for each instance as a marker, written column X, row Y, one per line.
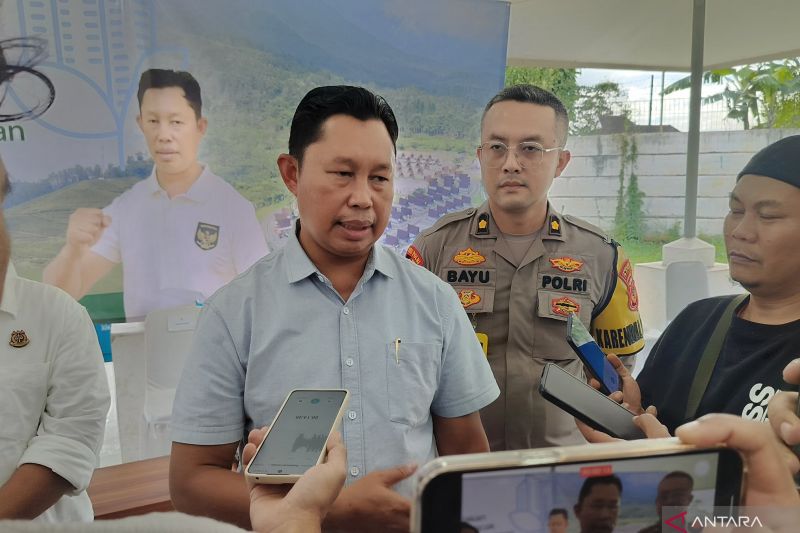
column 529, row 154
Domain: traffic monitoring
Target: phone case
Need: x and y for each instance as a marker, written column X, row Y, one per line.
column 616, row 420
column 587, row 365
column 277, row 479
column 540, row 457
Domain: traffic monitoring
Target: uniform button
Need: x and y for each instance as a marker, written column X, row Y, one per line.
column 351, row 415
column 346, row 311
column 348, row 361
column 354, row 471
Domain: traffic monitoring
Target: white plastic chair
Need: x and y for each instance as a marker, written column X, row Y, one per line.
column 167, row 337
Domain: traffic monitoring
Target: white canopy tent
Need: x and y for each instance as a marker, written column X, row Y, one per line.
column 675, row 35
column 649, row 34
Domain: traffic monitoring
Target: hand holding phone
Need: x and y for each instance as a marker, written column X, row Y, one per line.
column 591, row 407
column 518, row 490
column 592, row 356
column 297, row 438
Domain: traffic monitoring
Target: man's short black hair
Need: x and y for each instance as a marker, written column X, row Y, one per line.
column 591, row 482
column 532, row 94
column 322, row 103
column 158, row 78
column 557, row 511
column 679, row 474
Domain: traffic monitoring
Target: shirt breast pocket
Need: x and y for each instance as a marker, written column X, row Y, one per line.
column 23, row 395
column 412, row 377
column 553, row 308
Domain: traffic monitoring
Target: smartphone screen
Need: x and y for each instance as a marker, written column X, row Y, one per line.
column 592, row 356
column 603, row 496
column 298, row 435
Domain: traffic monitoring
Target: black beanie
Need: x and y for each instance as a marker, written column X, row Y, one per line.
column 780, row 160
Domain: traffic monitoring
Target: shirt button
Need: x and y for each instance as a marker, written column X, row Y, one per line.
column 348, row 361
column 346, row 311
column 354, row 471
column 351, row 415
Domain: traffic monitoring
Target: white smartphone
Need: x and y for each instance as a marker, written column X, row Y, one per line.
column 297, row 437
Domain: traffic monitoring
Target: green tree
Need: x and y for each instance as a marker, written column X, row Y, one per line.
column 585, row 104
column 595, row 102
column 563, row 82
column 763, row 91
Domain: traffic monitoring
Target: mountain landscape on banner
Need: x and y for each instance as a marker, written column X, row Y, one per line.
column 253, row 71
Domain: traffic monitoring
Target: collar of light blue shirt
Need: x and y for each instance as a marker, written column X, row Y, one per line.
column 299, row 266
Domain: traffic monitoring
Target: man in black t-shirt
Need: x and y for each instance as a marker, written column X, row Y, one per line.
column 762, row 238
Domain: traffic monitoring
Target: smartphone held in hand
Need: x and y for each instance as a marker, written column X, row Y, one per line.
column 297, row 438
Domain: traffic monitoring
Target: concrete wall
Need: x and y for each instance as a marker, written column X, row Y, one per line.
column 588, row 187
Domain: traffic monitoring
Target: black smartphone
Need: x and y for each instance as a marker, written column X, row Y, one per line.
column 586, row 404
column 593, row 358
column 602, row 488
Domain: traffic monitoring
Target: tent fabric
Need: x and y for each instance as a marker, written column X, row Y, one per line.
column 649, row 34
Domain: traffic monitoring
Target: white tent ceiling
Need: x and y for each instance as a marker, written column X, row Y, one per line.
column 649, row 34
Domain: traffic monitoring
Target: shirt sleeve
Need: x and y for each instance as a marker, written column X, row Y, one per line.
column 250, row 244
column 466, row 384
column 72, row 426
column 108, row 244
column 617, row 326
column 209, row 401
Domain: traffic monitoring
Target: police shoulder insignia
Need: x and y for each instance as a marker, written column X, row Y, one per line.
column 207, row 236
column 413, row 254
column 564, row 306
column 468, row 297
column 566, row 264
column 626, row 276
column 483, row 224
column 469, row 257
column 554, row 228
column 18, row 339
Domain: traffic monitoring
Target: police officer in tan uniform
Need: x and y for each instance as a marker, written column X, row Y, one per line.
column 520, row 268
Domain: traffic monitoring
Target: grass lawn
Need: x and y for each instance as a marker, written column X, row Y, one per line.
column 648, row 251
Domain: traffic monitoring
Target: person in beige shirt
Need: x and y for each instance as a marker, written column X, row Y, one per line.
column 520, row 268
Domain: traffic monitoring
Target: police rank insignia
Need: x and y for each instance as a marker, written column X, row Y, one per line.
column 566, row 264
column 468, row 297
column 469, row 257
column 483, row 224
column 554, row 227
column 564, row 306
column 18, row 339
column 207, row 236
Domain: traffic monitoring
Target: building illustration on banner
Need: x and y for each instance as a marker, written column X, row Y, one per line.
column 101, row 47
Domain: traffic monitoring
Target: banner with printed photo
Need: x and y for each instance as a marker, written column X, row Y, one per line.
column 435, row 61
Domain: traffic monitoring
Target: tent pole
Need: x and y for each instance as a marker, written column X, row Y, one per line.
column 693, row 148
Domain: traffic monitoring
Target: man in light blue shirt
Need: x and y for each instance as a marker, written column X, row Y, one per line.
column 332, row 310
